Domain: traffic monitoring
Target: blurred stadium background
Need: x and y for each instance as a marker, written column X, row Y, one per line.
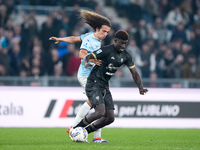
column 39, row 87
column 164, row 41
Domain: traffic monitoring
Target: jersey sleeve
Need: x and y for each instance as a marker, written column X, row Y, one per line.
column 99, row 54
column 85, row 44
column 129, row 62
column 84, row 35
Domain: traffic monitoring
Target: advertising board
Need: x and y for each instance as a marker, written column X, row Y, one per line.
column 57, row 107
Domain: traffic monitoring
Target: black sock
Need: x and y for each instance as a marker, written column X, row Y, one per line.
column 82, row 123
column 91, row 128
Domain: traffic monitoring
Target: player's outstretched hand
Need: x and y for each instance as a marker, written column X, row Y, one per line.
column 55, row 39
column 143, row 91
column 98, row 62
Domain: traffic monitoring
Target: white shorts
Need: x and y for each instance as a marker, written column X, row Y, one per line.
column 82, row 80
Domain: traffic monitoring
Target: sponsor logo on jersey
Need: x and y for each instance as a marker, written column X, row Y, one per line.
column 99, row 51
column 110, row 74
column 86, row 45
column 111, row 67
column 97, row 97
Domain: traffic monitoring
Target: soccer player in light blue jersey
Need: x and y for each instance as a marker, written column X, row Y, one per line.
column 90, row 43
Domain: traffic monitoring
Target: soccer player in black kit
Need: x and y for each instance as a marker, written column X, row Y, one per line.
column 97, row 87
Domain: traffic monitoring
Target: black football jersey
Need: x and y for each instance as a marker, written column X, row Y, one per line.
column 111, row 61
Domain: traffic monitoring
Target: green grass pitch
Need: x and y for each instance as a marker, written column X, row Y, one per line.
column 119, row 139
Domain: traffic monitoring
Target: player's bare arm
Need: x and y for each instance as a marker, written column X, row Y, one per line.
column 83, row 53
column 138, row 81
column 97, row 62
column 86, row 60
column 70, row 39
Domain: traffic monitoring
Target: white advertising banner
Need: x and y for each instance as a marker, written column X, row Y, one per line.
column 57, row 107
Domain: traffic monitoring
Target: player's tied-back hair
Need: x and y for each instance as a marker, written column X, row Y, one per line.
column 121, row 34
column 94, row 20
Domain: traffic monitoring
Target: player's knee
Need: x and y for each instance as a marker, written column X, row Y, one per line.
column 111, row 119
column 110, row 116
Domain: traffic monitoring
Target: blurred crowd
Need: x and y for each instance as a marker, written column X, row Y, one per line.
column 164, row 37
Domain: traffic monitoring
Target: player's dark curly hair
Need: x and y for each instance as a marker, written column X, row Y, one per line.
column 94, row 20
column 121, row 34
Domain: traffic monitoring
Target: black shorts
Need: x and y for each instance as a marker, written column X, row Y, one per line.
column 99, row 94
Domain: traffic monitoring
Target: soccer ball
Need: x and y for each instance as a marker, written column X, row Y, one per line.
column 79, row 134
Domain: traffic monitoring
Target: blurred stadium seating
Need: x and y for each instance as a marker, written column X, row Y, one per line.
column 164, row 41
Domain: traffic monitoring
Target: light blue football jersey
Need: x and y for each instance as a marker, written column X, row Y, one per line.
column 91, row 44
